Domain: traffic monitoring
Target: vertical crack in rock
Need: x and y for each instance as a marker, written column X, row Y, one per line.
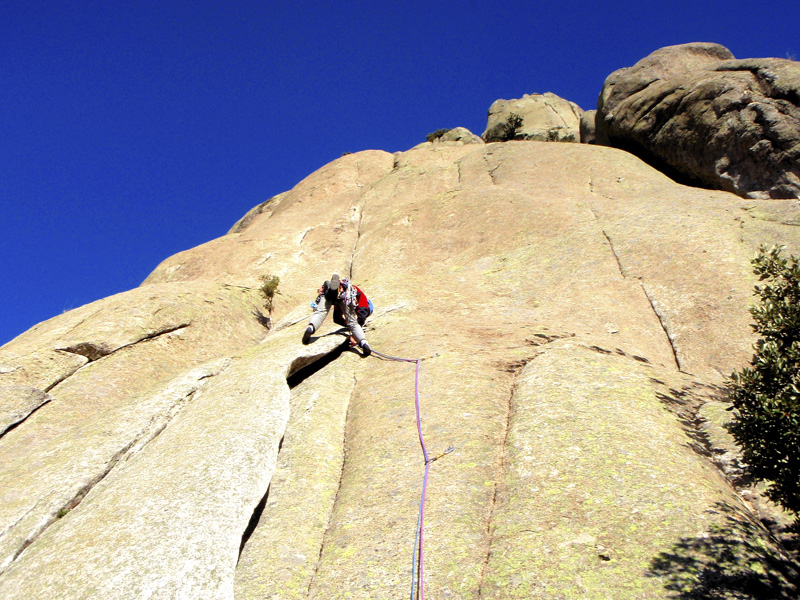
column 358, row 239
column 662, row 320
column 299, row 371
column 489, row 167
column 255, row 517
column 313, row 577
column 616, row 256
column 501, row 471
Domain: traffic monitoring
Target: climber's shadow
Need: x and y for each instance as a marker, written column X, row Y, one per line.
column 729, row 561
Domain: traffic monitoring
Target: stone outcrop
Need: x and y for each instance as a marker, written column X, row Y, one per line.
column 545, row 117
column 704, row 117
column 459, row 135
column 579, row 308
column 588, row 127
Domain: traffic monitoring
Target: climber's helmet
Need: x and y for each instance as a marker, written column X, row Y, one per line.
column 334, row 282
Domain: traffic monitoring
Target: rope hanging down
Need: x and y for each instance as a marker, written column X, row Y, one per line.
column 417, row 581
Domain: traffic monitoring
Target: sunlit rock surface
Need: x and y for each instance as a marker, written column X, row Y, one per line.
column 578, row 308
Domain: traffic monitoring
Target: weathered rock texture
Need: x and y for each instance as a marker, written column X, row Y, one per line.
column 545, row 117
column 457, row 136
column 588, row 127
column 582, row 307
column 707, row 118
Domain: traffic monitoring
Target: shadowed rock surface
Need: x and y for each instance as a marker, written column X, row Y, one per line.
column 705, row 117
column 581, row 306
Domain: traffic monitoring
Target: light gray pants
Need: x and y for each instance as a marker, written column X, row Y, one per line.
column 324, row 306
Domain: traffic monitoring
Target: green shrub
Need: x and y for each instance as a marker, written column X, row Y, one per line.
column 269, row 285
column 436, row 134
column 506, row 131
column 766, row 395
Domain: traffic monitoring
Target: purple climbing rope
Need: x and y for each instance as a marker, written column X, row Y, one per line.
column 417, row 580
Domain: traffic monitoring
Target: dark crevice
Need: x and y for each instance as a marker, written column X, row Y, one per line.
column 21, row 420
column 489, row 168
column 355, row 244
column 663, row 165
column 254, row 518
column 661, row 320
column 503, row 466
column 541, row 339
column 614, row 252
column 650, row 301
column 63, row 378
column 300, row 375
column 296, row 377
column 94, row 351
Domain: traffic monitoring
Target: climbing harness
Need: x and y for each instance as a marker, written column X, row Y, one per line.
column 417, row 581
column 348, row 293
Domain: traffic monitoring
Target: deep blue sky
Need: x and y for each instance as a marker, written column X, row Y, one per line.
column 132, row 130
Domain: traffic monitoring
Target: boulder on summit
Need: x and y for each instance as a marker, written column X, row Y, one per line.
column 705, row 118
column 545, row 117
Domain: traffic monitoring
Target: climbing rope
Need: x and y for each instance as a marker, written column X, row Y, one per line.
column 417, row 580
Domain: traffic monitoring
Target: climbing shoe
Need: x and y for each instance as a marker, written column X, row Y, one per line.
column 307, row 334
column 365, row 348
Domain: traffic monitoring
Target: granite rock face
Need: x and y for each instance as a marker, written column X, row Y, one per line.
column 588, row 127
column 705, row 117
column 545, row 117
column 458, row 136
column 578, row 309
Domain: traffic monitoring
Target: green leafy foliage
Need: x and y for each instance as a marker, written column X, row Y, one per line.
column 436, row 134
column 766, row 395
column 269, row 285
column 506, row 131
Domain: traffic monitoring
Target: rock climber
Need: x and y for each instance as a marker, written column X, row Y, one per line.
column 351, row 307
